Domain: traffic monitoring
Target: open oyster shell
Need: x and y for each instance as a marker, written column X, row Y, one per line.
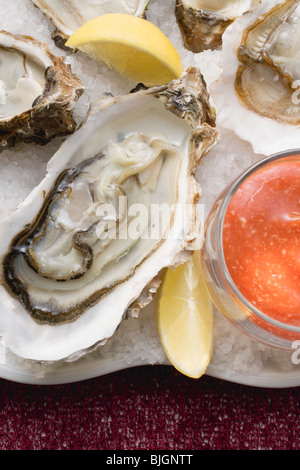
column 203, row 22
column 257, row 95
column 69, row 276
column 37, row 92
column 68, row 15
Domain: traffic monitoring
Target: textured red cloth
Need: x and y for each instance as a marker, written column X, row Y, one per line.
column 152, row 408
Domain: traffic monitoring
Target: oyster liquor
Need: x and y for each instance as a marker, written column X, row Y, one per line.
column 153, row 459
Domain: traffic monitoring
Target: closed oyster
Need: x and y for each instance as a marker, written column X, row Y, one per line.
column 118, row 204
column 37, row 92
column 68, row 15
column 257, row 94
column 203, row 22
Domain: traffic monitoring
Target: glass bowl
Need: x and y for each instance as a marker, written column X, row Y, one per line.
column 224, row 292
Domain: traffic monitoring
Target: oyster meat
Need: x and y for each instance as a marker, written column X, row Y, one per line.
column 37, row 92
column 258, row 95
column 68, row 15
column 118, row 204
column 203, row 22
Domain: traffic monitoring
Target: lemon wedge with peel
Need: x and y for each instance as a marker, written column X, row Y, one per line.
column 130, row 45
column 185, row 318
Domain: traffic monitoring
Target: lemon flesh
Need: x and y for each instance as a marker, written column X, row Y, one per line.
column 132, row 46
column 185, row 318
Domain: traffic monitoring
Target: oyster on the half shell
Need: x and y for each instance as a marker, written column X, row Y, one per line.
column 68, row 15
column 258, row 93
column 37, row 92
column 118, row 204
column 202, row 23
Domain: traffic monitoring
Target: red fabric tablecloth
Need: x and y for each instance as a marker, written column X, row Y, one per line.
column 148, row 408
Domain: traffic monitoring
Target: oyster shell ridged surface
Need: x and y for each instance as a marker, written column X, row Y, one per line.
column 38, row 91
column 145, row 146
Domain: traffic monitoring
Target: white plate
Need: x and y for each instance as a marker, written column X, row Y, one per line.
column 84, row 369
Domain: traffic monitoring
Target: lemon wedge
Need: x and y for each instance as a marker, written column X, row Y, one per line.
column 185, row 318
column 130, row 45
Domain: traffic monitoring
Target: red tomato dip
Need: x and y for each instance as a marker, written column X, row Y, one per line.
column 261, row 240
